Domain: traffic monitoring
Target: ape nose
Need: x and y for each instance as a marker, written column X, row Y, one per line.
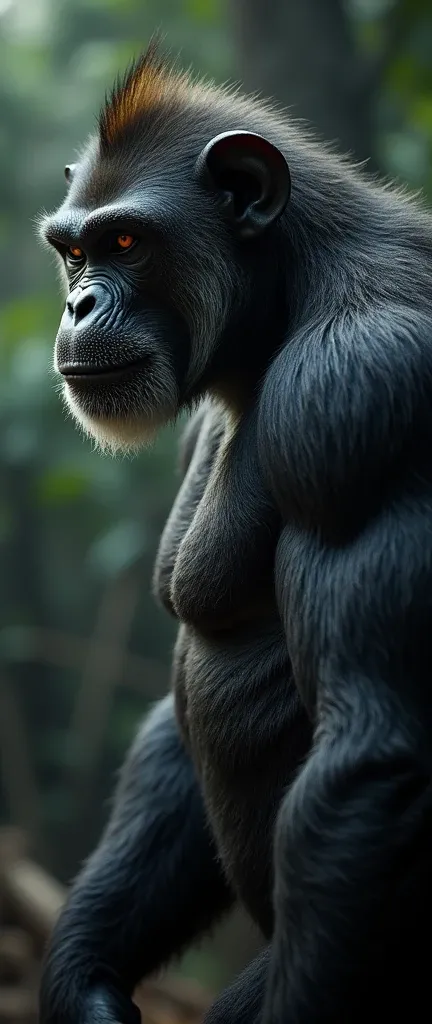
column 84, row 301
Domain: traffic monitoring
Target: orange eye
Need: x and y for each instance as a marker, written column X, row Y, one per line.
column 125, row 241
column 75, row 252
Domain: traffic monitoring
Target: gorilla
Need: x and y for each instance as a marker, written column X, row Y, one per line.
column 218, row 259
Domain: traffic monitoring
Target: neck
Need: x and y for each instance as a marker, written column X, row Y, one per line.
column 334, row 249
column 348, row 238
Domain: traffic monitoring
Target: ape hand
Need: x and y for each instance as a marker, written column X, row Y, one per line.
column 106, row 1005
column 101, row 1003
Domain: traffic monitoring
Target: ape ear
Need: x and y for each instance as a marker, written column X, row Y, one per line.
column 253, row 176
column 69, row 171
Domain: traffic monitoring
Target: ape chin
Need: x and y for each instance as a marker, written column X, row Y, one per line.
column 112, row 434
column 121, row 407
column 121, row 417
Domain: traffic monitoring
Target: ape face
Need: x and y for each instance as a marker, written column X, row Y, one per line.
column 153, row 239
column 136, row 324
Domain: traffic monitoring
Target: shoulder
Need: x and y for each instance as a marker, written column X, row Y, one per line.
column 341, row 404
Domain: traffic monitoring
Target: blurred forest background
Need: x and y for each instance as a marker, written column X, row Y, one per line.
column 83, row 648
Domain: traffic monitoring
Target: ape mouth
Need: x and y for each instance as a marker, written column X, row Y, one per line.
column 89, row 375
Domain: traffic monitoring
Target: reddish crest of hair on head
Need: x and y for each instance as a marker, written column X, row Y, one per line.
column 148, row 82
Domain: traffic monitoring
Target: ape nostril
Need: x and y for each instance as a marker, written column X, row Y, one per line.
column 84, row 306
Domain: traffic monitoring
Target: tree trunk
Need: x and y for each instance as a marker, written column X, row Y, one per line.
column 303, row 54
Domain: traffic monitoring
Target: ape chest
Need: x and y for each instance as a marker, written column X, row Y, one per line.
column 221, row 575
column 215, row 566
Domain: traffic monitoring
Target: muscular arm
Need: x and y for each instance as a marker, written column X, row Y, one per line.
column 353, row 838
column 150, row 887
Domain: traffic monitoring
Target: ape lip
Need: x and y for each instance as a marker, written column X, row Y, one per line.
column 83, row 373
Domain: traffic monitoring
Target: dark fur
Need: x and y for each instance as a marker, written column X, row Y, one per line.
column 298, row 561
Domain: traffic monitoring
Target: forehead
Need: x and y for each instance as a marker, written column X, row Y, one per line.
column 148, row 164
column 143, row 179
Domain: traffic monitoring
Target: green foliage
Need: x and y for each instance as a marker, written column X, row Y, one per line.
column 60, row 485
column 118, row 548
column 206, row 10
column 398, row 35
